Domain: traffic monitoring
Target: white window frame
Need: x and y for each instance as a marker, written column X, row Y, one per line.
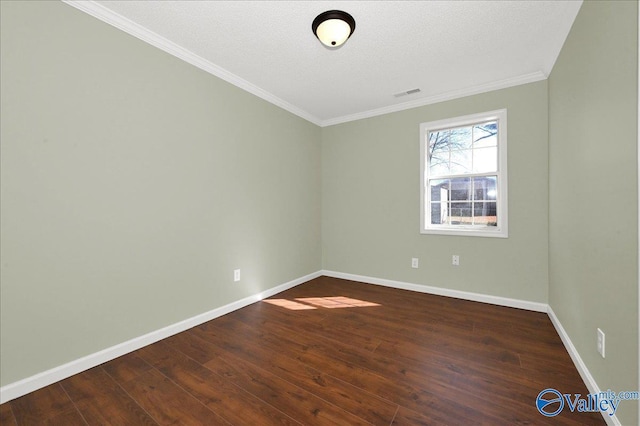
column 499, row 231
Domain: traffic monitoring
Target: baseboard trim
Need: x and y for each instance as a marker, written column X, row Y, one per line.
column 458, row 294
column 40, row 380
column 45, row 378
column 587, row 378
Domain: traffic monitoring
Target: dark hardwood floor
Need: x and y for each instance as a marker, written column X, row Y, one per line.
column 328, row 352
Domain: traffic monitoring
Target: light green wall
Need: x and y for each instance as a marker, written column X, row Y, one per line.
column 371, row 201
column 593, row 213
column 132, row 185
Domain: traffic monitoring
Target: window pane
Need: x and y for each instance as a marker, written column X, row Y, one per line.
column 439, row 189
column 461, row 213
column 460, row 189
column 439, row 141
column 485, row 160
column 484, row 188
column 439, row 213
column 460, row 162
column 439, row 163
column 485, row 134
column 463, row 176
column 485, row 214
column 460, row 138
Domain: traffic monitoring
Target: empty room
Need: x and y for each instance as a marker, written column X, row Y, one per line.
column 319, row 213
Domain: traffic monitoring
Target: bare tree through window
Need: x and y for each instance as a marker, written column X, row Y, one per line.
column 462, row 177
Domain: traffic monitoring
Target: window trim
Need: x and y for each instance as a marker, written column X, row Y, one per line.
column 501, row 230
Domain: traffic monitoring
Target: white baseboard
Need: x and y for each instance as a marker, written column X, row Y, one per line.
column 40, row 380
column 458, row 294
column 587, row 378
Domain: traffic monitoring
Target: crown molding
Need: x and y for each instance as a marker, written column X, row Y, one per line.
column 100, row 12
column 447, row 96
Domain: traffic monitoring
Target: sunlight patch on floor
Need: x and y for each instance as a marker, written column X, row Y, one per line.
column 320, row 302
column 289, row 304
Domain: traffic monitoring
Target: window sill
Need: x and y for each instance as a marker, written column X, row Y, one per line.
column 494, row 233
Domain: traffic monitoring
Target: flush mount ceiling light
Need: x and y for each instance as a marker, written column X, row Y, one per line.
column 333, row 27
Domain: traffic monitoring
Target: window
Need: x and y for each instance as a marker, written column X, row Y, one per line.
column 463, row 169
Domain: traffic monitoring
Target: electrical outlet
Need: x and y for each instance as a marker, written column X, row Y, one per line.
column 455, row 260
column 601, row 342
column 414, row 262
column 236, row 275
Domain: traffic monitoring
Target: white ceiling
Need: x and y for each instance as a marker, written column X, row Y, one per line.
column 448, row 49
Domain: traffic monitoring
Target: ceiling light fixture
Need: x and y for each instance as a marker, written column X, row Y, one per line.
column 333, row 27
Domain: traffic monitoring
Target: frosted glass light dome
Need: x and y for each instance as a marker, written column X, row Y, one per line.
column 333, row 32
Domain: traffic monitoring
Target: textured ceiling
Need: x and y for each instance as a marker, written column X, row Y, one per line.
column 447, row 49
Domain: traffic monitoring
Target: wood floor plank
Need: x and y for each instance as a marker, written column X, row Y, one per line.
column 353, row 399
column 338, row 327
column 167, row 403
column 399, row 391
column 496, row 345
column 191, row 345
column 464, row 347
column 333, row 352
column 349, row 316
column 439, row 383
column 101, row 401
column 405, row 306
column 49, row 405
column 511, row 413
column 126, row 367
column 6, row 415
column 407, row 417
column 301, row 405
column 428, row 326
column 229, row 401
column 470, row 374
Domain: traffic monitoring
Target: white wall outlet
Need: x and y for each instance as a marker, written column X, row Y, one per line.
column 236, row 274
column 455, row 260
column 601, row 342
column 414, row 262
